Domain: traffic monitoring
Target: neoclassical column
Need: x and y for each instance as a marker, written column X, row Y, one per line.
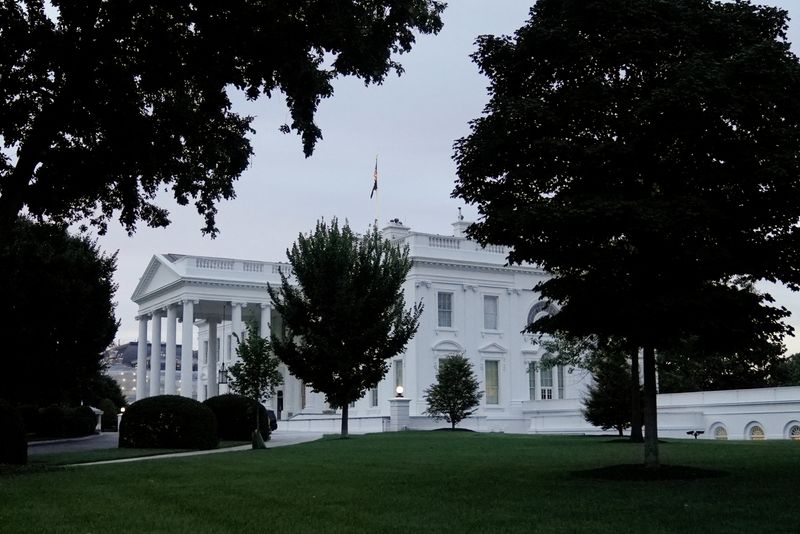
column 211, row 373
column 236, row 327
column 141, row 359
column 264, row 327
column 172, row 350
column 187, row 341
column 155, row 355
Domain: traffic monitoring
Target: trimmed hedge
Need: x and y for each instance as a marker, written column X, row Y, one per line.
column 109, row 417
column 13, row 445
column 236, row 417
column 168, row 422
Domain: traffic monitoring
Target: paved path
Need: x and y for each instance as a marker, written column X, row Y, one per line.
column 109, row 440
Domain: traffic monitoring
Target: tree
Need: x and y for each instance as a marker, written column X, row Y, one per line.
column 107, row 103
column 608, row 401
column 344, row 312
column 455, row 393
column 687, row 368
column 645, row 153
column 787, row 372
column 58, row 313
column 593, row 353
column 256, row 373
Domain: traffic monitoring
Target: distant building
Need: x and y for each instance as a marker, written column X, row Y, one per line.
column 475, row 304
column 121, row 365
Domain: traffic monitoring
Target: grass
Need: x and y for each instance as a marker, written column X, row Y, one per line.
column 82, row 457
column 418, row 481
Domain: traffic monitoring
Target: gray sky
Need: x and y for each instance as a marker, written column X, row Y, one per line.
column 410, row 122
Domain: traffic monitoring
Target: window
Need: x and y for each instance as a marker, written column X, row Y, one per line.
column 445, row 307
column 302, row 395
column 374, row 397
column 205, row 352
column 531, row 380
column 490, row 312
column 229, row 344
column 546, row 379
column 492, row 382
column 560, row 371
column 794, row 432
column 720, row 433
column 757, row 433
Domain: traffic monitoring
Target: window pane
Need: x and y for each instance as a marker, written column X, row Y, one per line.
column 374, row 393
column 547, row 377
column 492, row 382
column 490, row 312
column 560, row 370
column 445, row 302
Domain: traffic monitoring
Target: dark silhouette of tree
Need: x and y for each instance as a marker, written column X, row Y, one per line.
column 455, row 394
column 646, row 154
column 106, row 103
column 344, row 312
column 58, row 314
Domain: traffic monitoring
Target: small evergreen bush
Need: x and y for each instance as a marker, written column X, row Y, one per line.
column 13, row 445
column 79, row 422
column 236, row 417
column 168, row 422
column 30, row 417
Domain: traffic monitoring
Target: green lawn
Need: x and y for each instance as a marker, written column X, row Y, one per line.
column 416, row 482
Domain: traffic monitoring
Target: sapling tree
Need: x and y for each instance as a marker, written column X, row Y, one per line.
column 455, row 394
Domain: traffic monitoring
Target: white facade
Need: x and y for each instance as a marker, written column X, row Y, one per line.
column 474, row 304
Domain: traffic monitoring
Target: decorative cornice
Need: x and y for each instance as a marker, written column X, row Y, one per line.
column 473, row 266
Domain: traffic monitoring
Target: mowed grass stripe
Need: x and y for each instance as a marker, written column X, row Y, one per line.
column 416, row 482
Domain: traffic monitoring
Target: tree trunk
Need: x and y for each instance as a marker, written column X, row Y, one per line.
column 636, row 401
column 345, row 407
column 650, row 409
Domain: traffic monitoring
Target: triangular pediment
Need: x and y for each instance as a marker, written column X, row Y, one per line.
column 159, row 273
column 493, row 347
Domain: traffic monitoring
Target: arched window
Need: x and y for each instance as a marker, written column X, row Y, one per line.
column 756, row 432
column 793, row 430
column 720, row 432
column 540, row 309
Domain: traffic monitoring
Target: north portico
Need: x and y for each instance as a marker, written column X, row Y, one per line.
column 212, row 299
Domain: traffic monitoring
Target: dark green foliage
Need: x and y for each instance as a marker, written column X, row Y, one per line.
column 236, row 417
column 607, row 403
column 645, row 153
column 100, row 387
column 30, row 417
column 345, row 314
column 13, row 445
column 685, row 368
column 53, row 361
column 455, row 394
column 109, row 417
column 254, row 375
column 79, row 422
column 108, row 104
column 51, row 422
column 787, row 372
column 168, row 422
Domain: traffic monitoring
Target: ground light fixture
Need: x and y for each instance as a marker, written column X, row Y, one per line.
column 399, row 391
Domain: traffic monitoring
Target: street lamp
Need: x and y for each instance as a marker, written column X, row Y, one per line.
column 399, row 391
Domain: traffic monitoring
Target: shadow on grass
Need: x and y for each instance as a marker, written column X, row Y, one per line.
column 448, row 429
column 29, row 469
column 640, row 473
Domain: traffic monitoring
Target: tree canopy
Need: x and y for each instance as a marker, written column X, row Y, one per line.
column 454, row 395
column 344, row 311
column 105, row 104
column 58, row 314
column 646, row 154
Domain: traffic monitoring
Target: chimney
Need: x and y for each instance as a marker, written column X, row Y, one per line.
column 460, row 226
column 395, row 230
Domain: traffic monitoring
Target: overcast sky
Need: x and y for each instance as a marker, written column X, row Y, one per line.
column 410, row 122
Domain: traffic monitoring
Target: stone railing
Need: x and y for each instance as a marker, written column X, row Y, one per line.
column 436, row 241
column 214, row 263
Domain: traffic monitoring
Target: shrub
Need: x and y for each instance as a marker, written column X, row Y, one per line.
column 51, row 422
column 168, row 421
column 109, row 417
column 30, row 417
column 236, row 417
column 79, row 422
column 13, row 445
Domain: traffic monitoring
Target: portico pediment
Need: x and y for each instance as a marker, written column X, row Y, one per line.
column 159, row 274
column 494, row 348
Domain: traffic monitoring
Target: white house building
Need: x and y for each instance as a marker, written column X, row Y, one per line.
column 475, row 304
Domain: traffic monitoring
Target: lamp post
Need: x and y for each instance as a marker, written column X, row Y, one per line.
column 399, row 391
column 119, row 417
